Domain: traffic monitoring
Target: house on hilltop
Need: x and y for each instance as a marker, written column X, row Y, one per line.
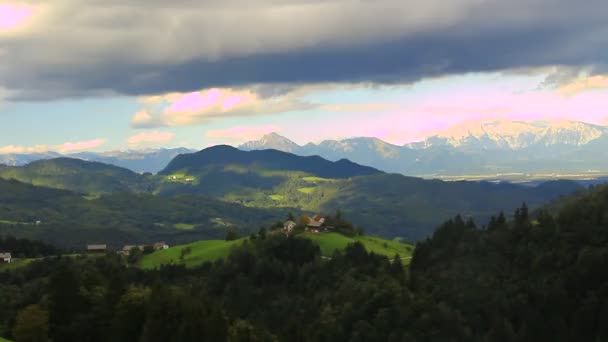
column 160, row 245
column 288, row 227
column 97, row 248
column 5, row 258
column 316, row 224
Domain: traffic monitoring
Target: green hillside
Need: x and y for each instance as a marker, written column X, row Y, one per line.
column 67, row 219
column 330, row 242
column 78, row 175
column 223, row 156
column 210, row 250
column 15, row 265
column 249, row 177
column 201, row 251
column 388, row 205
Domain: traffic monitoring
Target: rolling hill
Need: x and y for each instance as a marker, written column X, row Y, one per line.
column 232, row 174
column 78, row 175
column 201, row 251
column 390, row 205
column 223, row 156
column 211, row 250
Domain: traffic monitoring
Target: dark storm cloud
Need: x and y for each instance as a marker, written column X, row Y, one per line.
column 292, row 42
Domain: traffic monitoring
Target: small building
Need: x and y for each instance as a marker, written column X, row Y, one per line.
column 128, row 248
column 289, row 226
column 319, row 218
column 316, row 222
column 160, row 245
column 5, row 258
column 97, row 248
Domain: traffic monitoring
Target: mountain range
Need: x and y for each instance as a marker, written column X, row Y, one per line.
column 146, row 160
column 470, row 149
column 479, row 148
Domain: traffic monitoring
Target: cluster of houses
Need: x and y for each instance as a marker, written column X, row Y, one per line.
column 102, row 248
column 5, row 258
column 315, row 224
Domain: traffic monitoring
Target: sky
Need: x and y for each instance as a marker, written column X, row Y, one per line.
column 79, row 75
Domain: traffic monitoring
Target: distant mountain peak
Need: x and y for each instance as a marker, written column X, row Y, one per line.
column 272, row 141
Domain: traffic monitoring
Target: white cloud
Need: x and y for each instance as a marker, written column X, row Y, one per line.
column 67, row 147
column 80, row 146
column 12, row 149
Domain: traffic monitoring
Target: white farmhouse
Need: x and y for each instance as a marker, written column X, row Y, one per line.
column 5, row 257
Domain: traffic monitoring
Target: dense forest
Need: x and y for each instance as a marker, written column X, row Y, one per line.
column 538, row 277
column 24, row 248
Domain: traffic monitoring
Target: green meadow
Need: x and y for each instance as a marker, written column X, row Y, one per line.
column 200, row 252
column 210, row 250
column 330, row 242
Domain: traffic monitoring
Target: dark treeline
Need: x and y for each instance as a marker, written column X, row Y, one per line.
column 24, row 248
column 521, row 279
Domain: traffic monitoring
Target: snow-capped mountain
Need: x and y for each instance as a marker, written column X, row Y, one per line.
column 471, row 148
column 515, row 135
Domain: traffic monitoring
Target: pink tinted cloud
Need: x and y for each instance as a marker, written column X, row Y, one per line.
column 587, row 106
column 243, row 133
column 585, row 84
column 212, row 101
column 184, row 109
column 151, row 137
column 80, row 146
column 14, row 15
column 435, row 112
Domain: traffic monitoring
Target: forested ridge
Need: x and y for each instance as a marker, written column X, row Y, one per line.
column 522, row 277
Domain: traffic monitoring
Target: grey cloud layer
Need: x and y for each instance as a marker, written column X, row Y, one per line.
column 94, row 47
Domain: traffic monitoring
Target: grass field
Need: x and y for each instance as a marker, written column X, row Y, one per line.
column 207, row 250
column 306, row 190
column 316, row 179
column 4, row 340
column 210, row 250
column 330, row 242
column 14, row 222
column 184, row 226
column 15, row 265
